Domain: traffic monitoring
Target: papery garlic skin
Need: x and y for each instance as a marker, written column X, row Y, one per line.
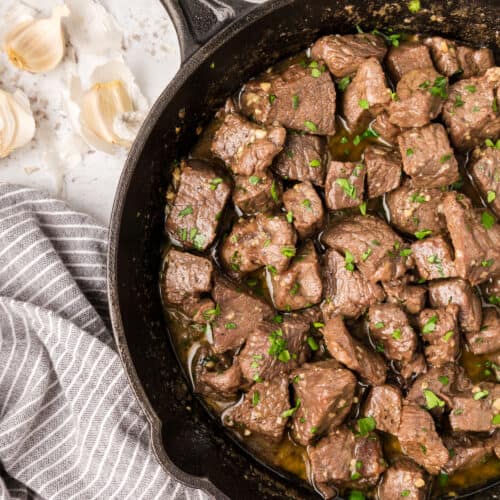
column 37, row 45
column 17, row 125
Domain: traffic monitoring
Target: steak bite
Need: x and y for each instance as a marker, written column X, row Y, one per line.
column 419, row 440
column 467, row 452
column 352, row 353
column 245, row 147
column 257, row 194
column 408, row 56
column 428, row 157
column 410, row 297
column 470, row 113
column 485, row 170
column 366, row 96
column 473, row 410
column 487, row 339
column 475, row 238
column 344, row 185
column 301, row 98
column 193, row 215
column 383, row 170
column 374, row 247
column 404, row 478
column 303, row 159
column 384, row 405
column 346, row 292
column 300, row 286
column 305, row 208
column 433, row 258
column 474, row 62
column 344, row 460
column 272, row 350
column 385, row 129
column 444, row 55
column 343, row 54
column 390, row 330
column 420, row 98
column 261, row 411
column 458, row 291
column 324, row 395
column 259, row 241
column 440, row 334
column 414, row 209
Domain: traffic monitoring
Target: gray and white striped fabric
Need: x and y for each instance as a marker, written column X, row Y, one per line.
column 70, row 427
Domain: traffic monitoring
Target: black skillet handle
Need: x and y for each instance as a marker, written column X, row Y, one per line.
column 196, row 21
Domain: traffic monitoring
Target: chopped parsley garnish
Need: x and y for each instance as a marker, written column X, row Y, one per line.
column 487, row 263
column 288, row 251
column 215, row 182
column 470, row 88
column 315, row 163
column 255, row 398
column 314, row 429
column 311, row 342
column 272, row 98
column 198, row 241
column 311, row 126
column 318, row 324
column 306, row 203
column 366, row 425
column 364, row 104
column 356, row 495
column 394, row 96
column 278, row 346
column 356, row 140
column 448, row 335
column 430, row 324
column 406, row 493
column 348, row 188
column 494, row 105
column 443, row 379
column 443, row 479
column 272, row 269
column 254, row 180
column 424, row 449
column 413, row 7
column 409, row 152
column 491, row 196
column 369, row 132
column 291, row 411
column 458, row 102
column 274, row 191
column 295, row 101
column 362, row 208
column 420, row 235
column 366, row 254
column 487, row 220
column 438, row 88
column 278, row 319
column 492, row 144
column 315, row 73
column 211, row 314
column 379, row 325
column 343, row 83
column 406, row 252
column 480, row 395
column 186, row 211
column 496, row 419
column 295, row 288
column 344, row 140
column 230, row 326
column 445, row 158
column 289, row 217
column 349, row 261
column 396, row 334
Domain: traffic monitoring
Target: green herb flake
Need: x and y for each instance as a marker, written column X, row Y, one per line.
column 420, row 235
column 274, row 191
column 315, row 73
column 480, row 395
column 355, row 476
column 459, row 102
column 410, row 152
column 443, row 479
column 406, row 252
column 288, row 251
column 318, row 324
column 291, row 411
column 356, row 140
column 364, row 104
column 230, row 326
column 491, row 196
column 215, row 182
column 306, row 203
column 255, row 398
column 343, row 83
column 311, row 126
column 496, row 419
column 362, row 208
column 366, row 425
column 379, row 325
column 487, row 220
column 494, row 105
column 315, row 163
column 289, row 217
column 448, row 335
column 347, row 187
column 295, row 288
column 470, row 88
column 365, row 255
column 186, row 211
column 349, row 261
column 487, row 263
column 278, row 319
column 254, row 180
column 445, row 158
column 443, row 379
column 405, row 493
column 396, row 334
column 356, row 495
column 430, row 324
column 272, row 98
column 311, row 342
column 295, row 102
column 344, row 140
column 314, row 429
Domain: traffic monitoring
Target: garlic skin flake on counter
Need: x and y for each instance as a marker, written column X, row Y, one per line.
column 17, row 125
column 111, row 110
column 37, row 45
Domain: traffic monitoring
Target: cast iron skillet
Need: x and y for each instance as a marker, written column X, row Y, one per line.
column 192, row 446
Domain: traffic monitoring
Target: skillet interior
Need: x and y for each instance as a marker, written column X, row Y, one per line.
column 189, row 444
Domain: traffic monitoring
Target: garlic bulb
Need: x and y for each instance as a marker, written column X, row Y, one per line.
column 17, row 125
column 37, row 45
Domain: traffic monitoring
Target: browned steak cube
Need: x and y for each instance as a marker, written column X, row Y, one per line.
column 344, row 54
column 300, row 286
column 439, row 330
column 385, row 129
column 324, row 395
column 471, row 111
column 305, row 209
column 303, row 159
column 383, row 170
column 420, row 98
column 257, row 242
column 346, row 292
column 234, row 317
column 405, row 479
column 195, row 211
column 408, row 56
column 419, row 439
column 458, row 291
column 433, row 258
column 391, row 332
column 384, row 405
column 415, row 209
column 376, row 250
column 475, row 237
column 273, row 350
column 257, row 193
column 467, row 451
column 352, row 353
column 343, row 459
column 262, row 410
column 302, row 97
column 485, row 170
column 410, row 297
column 366, row 96
column 473, row 410
column 414, row 368
column 474, row 62
column 246, row 148
column 344, row 185
column 444, row 54
column 214, row 376
column 428, row 157
column 487, row 339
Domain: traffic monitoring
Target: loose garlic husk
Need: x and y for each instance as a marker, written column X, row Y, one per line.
column 37, row 45
column 17, row 125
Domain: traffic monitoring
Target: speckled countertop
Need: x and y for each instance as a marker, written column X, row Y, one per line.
column 57, row 160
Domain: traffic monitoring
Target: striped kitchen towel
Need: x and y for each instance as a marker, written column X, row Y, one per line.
column 70, row 426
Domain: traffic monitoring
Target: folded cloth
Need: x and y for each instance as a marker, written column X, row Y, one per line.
column 70, row 426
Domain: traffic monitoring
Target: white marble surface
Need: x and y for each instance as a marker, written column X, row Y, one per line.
column 57, row 160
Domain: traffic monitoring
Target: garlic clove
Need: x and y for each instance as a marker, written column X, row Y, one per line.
column 37, row 45
column 101, row 106
column 17, row 125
